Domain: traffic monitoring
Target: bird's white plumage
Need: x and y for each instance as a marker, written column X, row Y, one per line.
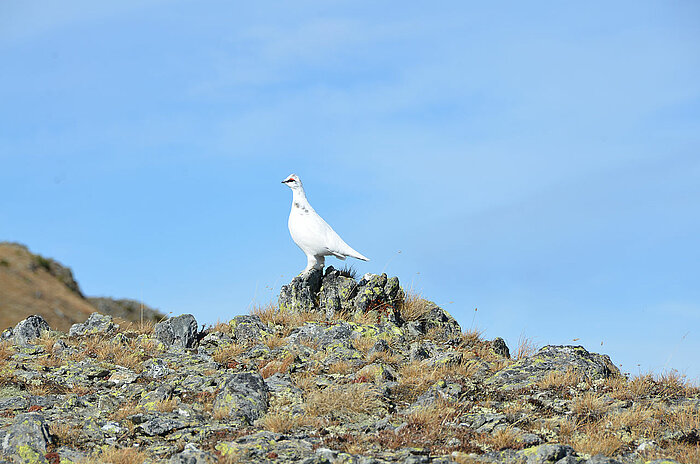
column 311, row 233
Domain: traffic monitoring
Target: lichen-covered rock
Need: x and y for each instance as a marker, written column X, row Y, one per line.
column 243, row 396
column 301, row 293
column 159, row 424
column 544, row 454
column 95, row 324
column 178, row 332
column 27, row 438
column 498, row 346
column 29, row 329
column 191, row 455
column 337, row 293
column 380, row 295
column 248, row 329
column 529, row 371
column 436, row 320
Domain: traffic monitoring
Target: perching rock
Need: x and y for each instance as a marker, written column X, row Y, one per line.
column 29, row 329
column 529, row 371
column 96, row 324
column 27, row 437
column 178, row 332
column 243, row 396
column 337, row 293
column 300, row 293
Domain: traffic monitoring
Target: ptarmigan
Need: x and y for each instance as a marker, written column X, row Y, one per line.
column 311, row 233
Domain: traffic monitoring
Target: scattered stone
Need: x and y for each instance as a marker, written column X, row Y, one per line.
column 96, row 324
column 29, row 329
column 27, row 438
column 498, row 345
column 178, row 332
column 243, row 396
column 248, row 329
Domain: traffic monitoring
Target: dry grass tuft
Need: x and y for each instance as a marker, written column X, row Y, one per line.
column 6, row 351
column 282, row 422
column 274, row 341
column 227, row 355
column 558, row 380
column 364, row 344
column 343, row 402
column 505, row 438
column 65, row 434
column 340, row 367
column 269, row 314
column 275, row 366
column 526, row 348
column 413, row 307
column 593, row 438
column 588, row 407
column 122, row 456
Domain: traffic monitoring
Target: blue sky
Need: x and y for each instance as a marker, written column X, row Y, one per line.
column 538, row 161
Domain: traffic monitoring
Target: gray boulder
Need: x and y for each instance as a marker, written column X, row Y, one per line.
column 337, row 293
column 192, row 455
column 498, row 346
column 248, row 329
column 380, row 295
column 27, row 437
column 529, row 371
column 243, row 396
column 29, row 329
column 96, row 324
column 301, row 294
column 178, row 332
column 543, row 454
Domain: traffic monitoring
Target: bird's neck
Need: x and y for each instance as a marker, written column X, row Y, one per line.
column 299, row 196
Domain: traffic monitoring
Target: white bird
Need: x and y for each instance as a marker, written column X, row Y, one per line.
column 311, row 233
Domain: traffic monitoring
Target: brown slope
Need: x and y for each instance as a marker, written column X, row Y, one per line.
column 31, row 284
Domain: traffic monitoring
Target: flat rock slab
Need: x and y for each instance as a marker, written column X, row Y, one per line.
column 529, row 371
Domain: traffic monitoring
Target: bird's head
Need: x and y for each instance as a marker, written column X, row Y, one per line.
column 293, row 182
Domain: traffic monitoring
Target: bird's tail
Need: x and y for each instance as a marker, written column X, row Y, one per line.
column 357, row 255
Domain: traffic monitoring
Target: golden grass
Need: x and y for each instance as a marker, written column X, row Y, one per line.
column 340, row 367
column 269, row 314
column 364, row 344
column 277, row 366
column 274, row 341
column 105, row 349
column 121, row 456
column 65, row 434
column 560, row 379
column 343, row 402
column 413, row 307
column 505, row 438
column 6, row 351
column 588, row 406
column 416, row 377
column 593, row 438
column 228, row 354
column 282, row 422
column 526, row 348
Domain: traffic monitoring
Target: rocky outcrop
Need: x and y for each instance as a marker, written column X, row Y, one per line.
column 333, row 377
column 375, row 295
column 575, row 359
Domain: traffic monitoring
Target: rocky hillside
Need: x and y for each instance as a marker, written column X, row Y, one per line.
column 32, row 284
column 341, row 371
